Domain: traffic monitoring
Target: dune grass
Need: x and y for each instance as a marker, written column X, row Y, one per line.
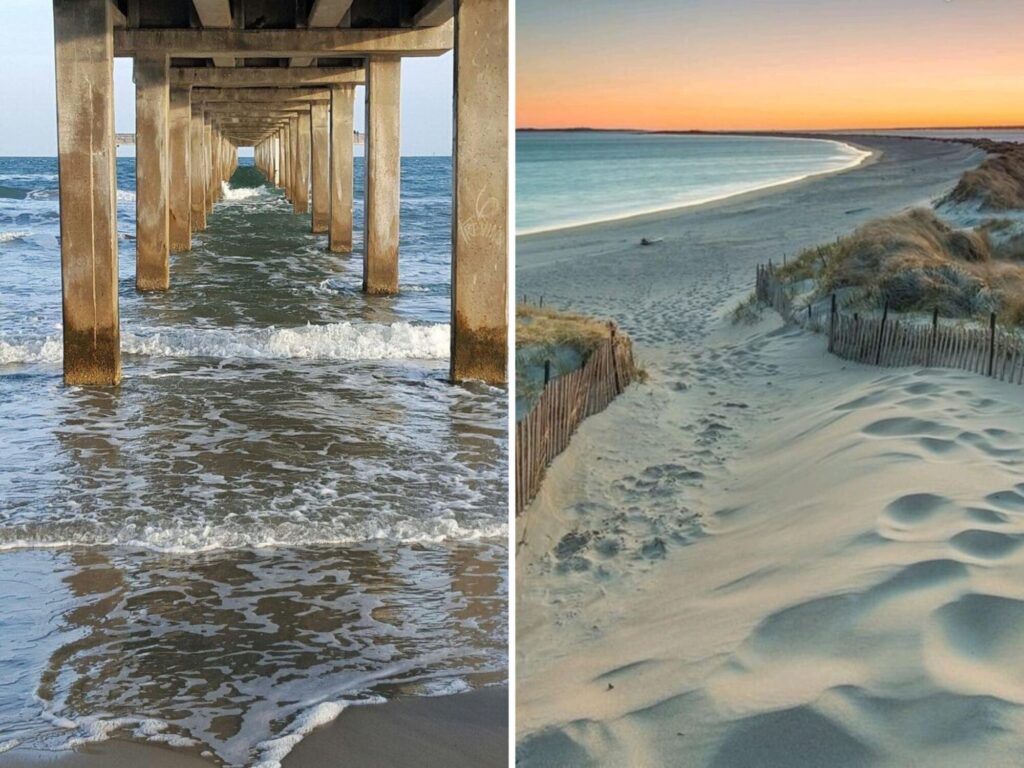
column 536, row 326
column 998, row 183
column 551, row 329
column 914, row 262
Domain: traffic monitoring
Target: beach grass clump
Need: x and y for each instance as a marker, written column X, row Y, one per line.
column 998, row 183
column 747, row 311
column 917, row 262
column 563, row 340
column 543, row 327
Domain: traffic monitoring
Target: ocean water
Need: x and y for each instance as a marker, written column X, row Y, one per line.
column 567, row 179
column 284, row 510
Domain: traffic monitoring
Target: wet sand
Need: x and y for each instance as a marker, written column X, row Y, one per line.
column 469, row 729
column 765, row 556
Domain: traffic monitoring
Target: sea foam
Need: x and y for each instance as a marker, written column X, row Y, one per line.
column 240, row 193
column 334, row 341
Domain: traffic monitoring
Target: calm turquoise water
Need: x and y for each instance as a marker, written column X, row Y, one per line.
column 285, row 507
column 565, row 179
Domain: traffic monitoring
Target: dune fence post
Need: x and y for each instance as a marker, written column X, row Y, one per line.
column 935, row 336
column 832, row 325
column 615, row 361
column 991, row 342
column 881, row 332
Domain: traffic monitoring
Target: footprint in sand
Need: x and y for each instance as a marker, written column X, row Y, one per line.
column 915, row 509
column 907, row 426
column 985, row 545
column 975, row 645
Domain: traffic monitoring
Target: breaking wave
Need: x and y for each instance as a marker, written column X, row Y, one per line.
column 240, row 193
column 335, row 341
column 7, row 237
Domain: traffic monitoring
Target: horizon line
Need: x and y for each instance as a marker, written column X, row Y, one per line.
column 1015, row 127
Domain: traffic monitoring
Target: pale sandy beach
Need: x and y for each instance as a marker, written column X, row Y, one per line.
column 460, row 731
column 765, row 556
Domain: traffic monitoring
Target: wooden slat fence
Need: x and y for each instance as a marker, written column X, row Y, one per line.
column 891, row 340
column 566, row 401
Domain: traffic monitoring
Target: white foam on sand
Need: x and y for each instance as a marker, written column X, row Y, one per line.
column 270, row 753
column 334, row 341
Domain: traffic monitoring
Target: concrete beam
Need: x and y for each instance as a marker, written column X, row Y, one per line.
column 88, row 226
column 328, row 13
column 383, row 175
column 481, row 195
column 152, row 234
column 320, row 133
column 284, row 43
column 180, row 199
column 341, row 181
column 213, row 14
column 117, row 19
column 434, row 13
column 325, row 13
column 266, row 77
column 260, row 95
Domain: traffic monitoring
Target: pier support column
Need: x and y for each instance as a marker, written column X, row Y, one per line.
column 321, row 144
column 208, row 165
column 152, row 234
column 180, row 199
column 275, row 152
column 88, row 227
column 340, row 240
column 197, row 172
column 383, row 174
column 293, row 158
column 302, row 163
column 480, row 185
column 286, row 161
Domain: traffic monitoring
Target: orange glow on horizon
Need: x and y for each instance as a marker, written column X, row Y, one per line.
column 829, row 65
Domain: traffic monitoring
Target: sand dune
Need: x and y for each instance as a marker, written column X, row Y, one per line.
column 768, row 557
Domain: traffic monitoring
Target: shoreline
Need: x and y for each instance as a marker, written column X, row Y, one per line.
column 866, row 157
column 457, row 731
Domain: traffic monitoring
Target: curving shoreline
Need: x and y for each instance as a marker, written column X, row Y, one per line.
column 863, row 156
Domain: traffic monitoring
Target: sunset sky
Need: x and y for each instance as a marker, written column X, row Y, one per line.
column 769, row 64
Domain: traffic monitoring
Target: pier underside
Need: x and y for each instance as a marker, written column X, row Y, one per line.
column 215, row 75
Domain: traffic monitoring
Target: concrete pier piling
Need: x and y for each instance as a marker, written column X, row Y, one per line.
column 180, row 195
column 341, row 181
column 302, row 156
column 383, row 174
column 480, row 178
column 320, row 146
column 152, row 236
column 226, row 74
column 198, row 170
column 88, row 190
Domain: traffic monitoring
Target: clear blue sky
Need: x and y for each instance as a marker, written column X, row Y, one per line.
column 28, row 96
